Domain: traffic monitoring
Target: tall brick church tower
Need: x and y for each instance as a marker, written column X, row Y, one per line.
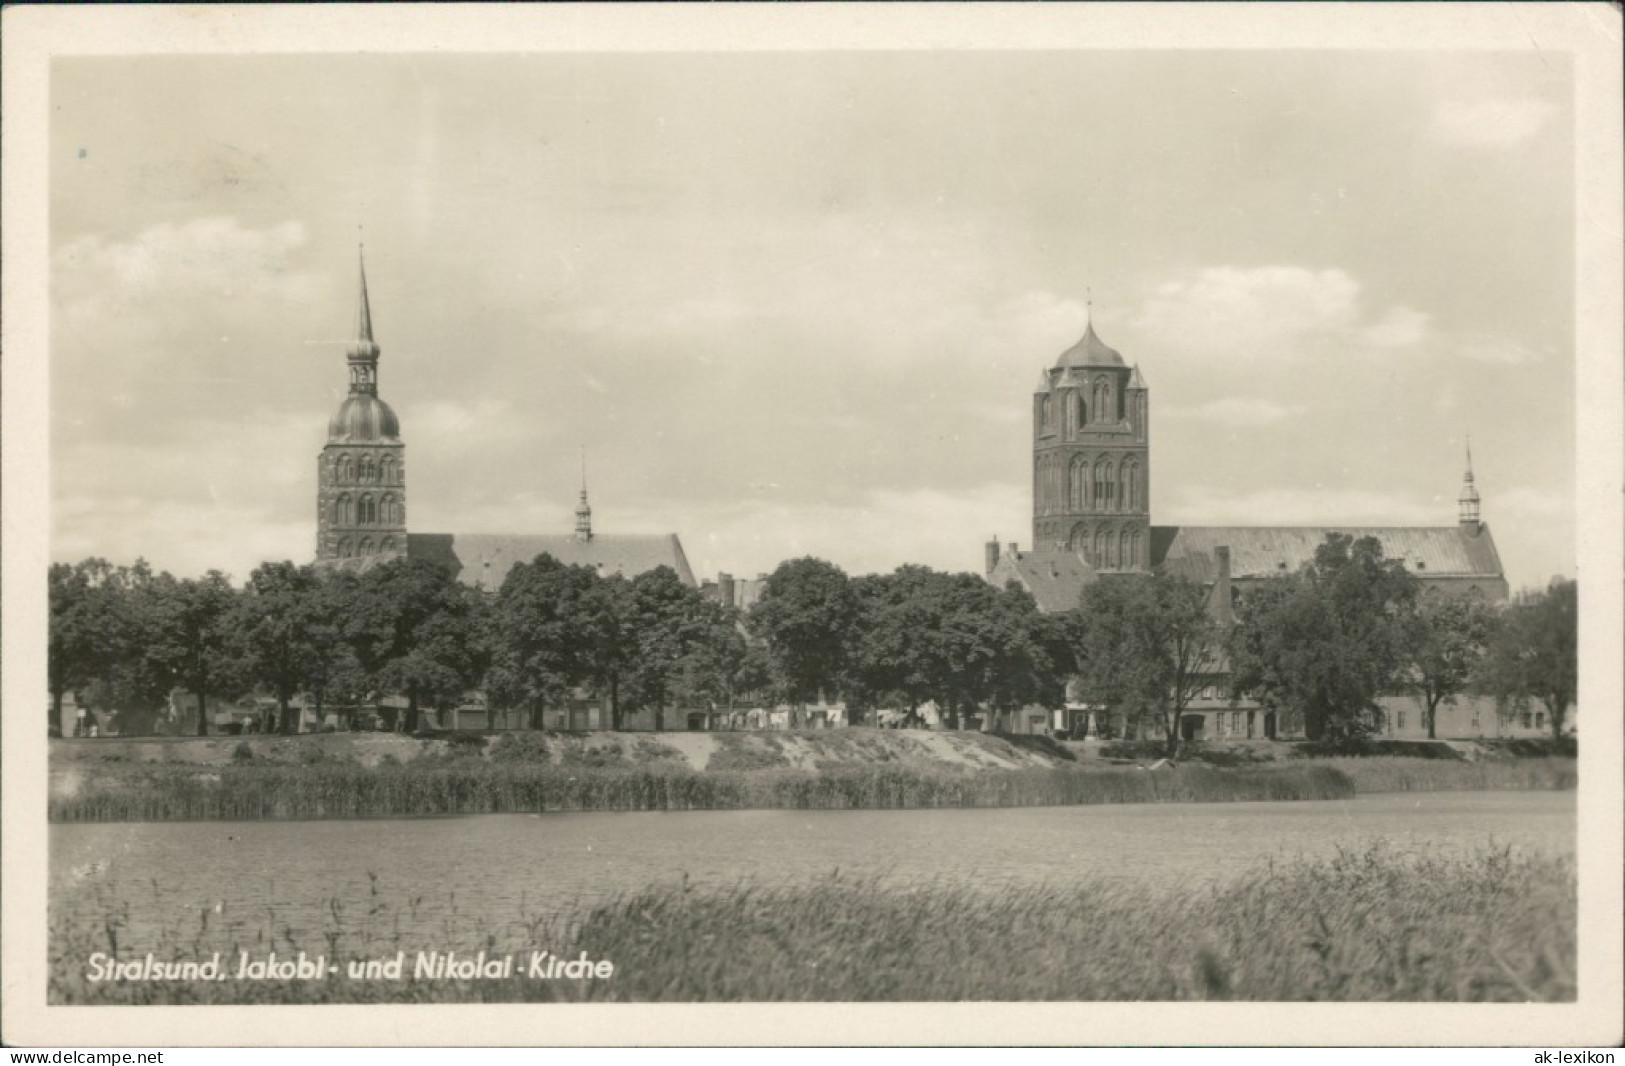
column 361, row 473
column 1091, row 468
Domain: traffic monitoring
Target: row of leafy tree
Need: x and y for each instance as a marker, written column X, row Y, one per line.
column 126, row 637
column 1319, row 646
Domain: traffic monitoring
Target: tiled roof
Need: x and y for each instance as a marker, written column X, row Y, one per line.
column 1261, row 551
column 484, row 559
column 1055, row 579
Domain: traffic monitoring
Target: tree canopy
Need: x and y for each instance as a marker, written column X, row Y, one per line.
column 1444, row 639
column 1145, row 647
column 807, row 616
column 1535, row 654
column 1325, row 642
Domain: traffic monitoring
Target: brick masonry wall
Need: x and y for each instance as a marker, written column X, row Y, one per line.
column 387, row 535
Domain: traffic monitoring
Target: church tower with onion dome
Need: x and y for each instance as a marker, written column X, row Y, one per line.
column 1091, row 468
column 361, row 474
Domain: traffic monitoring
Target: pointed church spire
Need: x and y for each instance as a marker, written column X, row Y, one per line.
column 1469, row 494
column 583, row 509
column 363, row 321
column 363, row 353
column 363, row 345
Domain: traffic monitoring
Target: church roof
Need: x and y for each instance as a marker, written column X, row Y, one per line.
column 484, row 559
column 1055, row 578
column 1089, row 351
column 1268, row 551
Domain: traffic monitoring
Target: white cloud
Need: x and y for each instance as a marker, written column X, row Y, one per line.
column 1401, row 327
column 1491, row 123
column 1501, row 350
column 1250, row 313
column 1284, row 313
column 1238, row 411
column 214, row 258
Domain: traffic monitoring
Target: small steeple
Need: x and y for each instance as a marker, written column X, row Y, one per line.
column 1469, row 495
column 583, row 509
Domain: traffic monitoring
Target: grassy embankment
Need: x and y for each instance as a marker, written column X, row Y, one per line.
column 1361, row 927
column 362, row 775
column 1394, row 773
column 347, row 791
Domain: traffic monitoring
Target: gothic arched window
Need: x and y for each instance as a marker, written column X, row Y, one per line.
column 1079, row 476
column 1080, row 410
column 346, row 469
column 1125, row 546
column 344, row 511
column 1131, row 485
column 1079, row 541
column 387, row 544
column 1098, row 556
column 1046, row 411
column 365, row 547
column 386, row 470
column 1105, row 478
column 345, row 548
column 369, row 468
column 369, row 511
column 388, row 514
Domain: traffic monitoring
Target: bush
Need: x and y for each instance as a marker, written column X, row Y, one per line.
column 1133, row 749
column 1533, row 747
column 591, row 757
column 1041, row 744
column 1366, row 747
column 465, row 743
column 521, row 747
column 735, row 754
column 1227, row 756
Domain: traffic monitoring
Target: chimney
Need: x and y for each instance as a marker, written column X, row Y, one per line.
column 1222, row 609
column 991, row 554
column 1010, row 549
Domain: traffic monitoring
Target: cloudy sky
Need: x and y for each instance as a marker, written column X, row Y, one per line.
column 797, row 303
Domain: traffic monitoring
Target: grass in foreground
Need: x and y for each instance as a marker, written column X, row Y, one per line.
column 1368, row 926
column 473, row 786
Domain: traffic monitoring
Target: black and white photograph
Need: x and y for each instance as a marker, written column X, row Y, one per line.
column 1041, row 517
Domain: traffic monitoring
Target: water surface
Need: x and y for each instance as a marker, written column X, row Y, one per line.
column 497, row 867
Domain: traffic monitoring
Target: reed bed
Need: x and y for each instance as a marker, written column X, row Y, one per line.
column 341, row 790
column 1363, row 926
column 1394, row 773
